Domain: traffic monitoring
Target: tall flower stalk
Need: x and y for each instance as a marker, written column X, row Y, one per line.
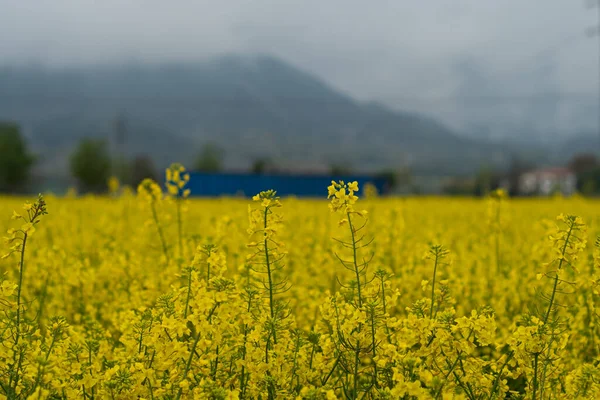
column 153, row 195
column 266, row 261
column 342, row 200
column 176, row 178
column 356, row 343
column 568, row 241
column 17, row 239
column 437, row 253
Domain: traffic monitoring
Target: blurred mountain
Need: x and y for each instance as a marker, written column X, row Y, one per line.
column 525, row 104
column 252, row 106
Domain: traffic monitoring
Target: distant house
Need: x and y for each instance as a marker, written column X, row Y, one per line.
column 546, row 181
column 245, row 184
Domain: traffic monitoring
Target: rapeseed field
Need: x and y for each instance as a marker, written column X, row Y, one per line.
column 151, row 295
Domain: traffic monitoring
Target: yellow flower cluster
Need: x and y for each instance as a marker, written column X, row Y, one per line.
column 176, row 180
column 155, row 296
column 342, row 196
column 150, row 191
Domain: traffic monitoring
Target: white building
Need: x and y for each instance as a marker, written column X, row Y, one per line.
column 546, row 181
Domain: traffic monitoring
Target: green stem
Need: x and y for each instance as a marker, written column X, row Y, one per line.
column 19, row 288
column 433, row 287
column 295, row 362
column 270, row 277
column 15, row 373
column 312, row 355
column 383, row 296
column 189, row 293
column 179, row 228
column 243, row 375
column 374, row 346
column 268, row 263
column 214, row 374
column 535, row 368
column 499, row 376
column 354, row 259
column 356, row 363
column 188, row 364
column 498, row 238
column 452, row 366
column 337, row 360
column 560, row 263
column 39, row 374
column 160, row 232
column 549, row 310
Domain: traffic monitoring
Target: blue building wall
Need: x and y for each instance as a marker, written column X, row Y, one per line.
column 232, row 184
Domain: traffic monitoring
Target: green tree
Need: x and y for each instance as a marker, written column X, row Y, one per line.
column 340, row 169
column 15, row 159
column 90, row 165
column 390, row 176
column 588, row 182
column 142, row 167
column 122, row 169
column 518, row 166
column 210, row 158
column 583, row 162
column 587, row 169
column 486, row 180
column 458, row 187
column 261, row 165
column 398, row 180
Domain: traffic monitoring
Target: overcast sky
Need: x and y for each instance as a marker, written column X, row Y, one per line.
column 410, row 54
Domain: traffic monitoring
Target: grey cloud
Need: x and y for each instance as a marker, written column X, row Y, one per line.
column 406, row 53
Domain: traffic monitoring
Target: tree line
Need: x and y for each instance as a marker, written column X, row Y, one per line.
column 90, row 164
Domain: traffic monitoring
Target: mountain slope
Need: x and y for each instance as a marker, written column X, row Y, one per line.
column 252, row 105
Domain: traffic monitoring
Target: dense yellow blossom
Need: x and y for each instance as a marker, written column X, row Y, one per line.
column 156, row 296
